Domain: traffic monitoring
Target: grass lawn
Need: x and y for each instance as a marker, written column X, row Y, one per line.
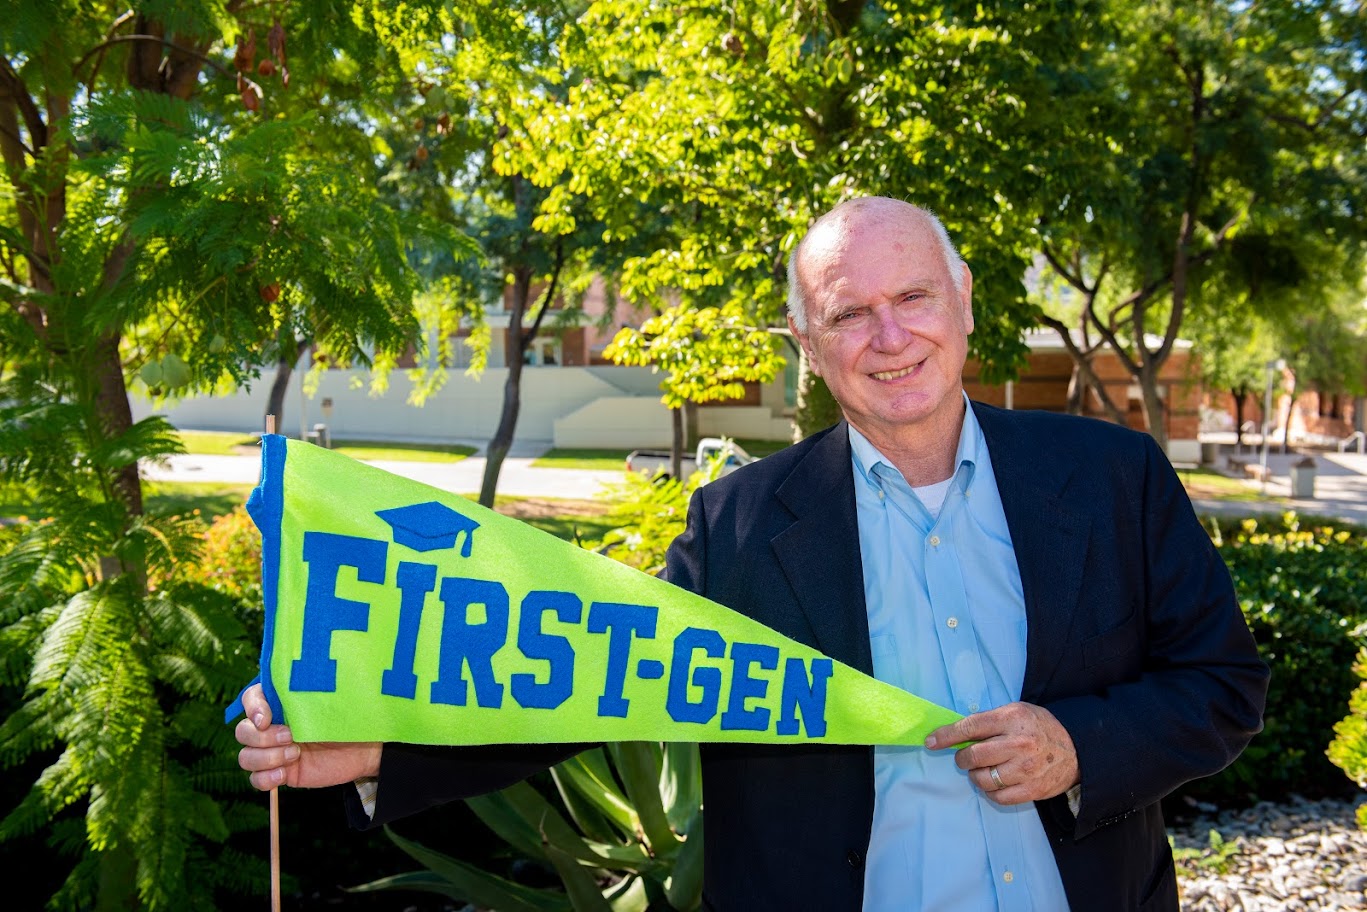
column 210, row 498
column 222, row 443
column 615, row 460
column 1208, row 483
column 584, row 520
column 597, row 460
column 402, row 452
column 219, row 443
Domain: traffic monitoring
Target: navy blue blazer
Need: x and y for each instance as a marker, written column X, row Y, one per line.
column 1135, row 643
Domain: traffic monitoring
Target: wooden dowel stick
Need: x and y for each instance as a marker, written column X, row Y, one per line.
column 275, row 794
column 275, row 850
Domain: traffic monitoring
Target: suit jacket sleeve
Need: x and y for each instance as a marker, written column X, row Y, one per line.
column 1188, row 686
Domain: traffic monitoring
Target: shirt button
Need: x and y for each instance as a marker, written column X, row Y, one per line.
column 973, row 707
column 935, row 541
column 1008, row 877
column 952, row 623
column 853, row 858
column 880, row 494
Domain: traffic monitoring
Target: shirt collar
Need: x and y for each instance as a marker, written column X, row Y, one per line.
column 867, row 457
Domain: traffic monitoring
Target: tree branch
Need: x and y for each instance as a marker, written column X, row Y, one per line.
column 33, row 118
column 549, row 295
column 1063, row 272
column 166, row 42
column 99, row 61
column 18, row 140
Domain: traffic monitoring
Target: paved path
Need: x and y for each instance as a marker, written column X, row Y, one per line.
column 1340, row 484
column 516, row 478
column 1340, row 488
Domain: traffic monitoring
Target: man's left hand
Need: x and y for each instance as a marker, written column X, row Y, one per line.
column 1030, row 750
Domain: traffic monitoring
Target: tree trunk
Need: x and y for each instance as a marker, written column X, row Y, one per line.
column 512, row 389
column 1290, row 407
column 1154, row 415
column 115, row 416
column 676, row 449
column 1240, row 397
column 284, row 369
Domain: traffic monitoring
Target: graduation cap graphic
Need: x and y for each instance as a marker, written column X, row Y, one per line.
column 430, row 526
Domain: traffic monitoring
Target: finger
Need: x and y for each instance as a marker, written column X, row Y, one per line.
column 248, row 735
column 267, row 779
column 258, row 759
column 257, row 708
column 1012, row 794
column 975, row 727
column 982, row 754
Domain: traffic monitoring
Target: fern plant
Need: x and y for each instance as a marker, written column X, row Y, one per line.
column 170, row 208
column 123, row 665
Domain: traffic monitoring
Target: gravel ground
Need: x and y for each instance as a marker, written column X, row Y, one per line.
column 1299, row 855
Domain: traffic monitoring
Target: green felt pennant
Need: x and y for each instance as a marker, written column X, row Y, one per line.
column 398, row 612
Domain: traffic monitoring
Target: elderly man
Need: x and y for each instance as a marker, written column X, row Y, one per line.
column 1044, row 575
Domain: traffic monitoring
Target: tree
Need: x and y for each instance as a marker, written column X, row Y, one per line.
column 739, row 123
column 707, row 354
column 174, row 194
column 1222, row 154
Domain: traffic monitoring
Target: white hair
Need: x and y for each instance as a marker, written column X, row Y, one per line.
column 797, row 296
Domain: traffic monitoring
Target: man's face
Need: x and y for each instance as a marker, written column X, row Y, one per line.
column 886, row 329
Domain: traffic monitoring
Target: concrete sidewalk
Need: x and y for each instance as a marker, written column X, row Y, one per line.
column 1340, row 484
column 1340, row 488
column 517, row 477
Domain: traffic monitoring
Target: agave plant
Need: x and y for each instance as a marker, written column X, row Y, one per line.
column 626, row 836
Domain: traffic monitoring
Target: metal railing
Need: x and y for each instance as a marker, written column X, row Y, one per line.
column 1358, row 436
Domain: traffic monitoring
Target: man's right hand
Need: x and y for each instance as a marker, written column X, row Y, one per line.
column 271, row 756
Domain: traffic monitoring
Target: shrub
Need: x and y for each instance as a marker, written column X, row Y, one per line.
column 1348, row 750
column 1303, row 591
column 230, row 559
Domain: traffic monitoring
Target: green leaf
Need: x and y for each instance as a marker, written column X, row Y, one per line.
column 473, row 885
column 639, row 763
column 581, row 887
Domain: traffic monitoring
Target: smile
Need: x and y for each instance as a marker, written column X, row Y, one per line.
column 893, row 375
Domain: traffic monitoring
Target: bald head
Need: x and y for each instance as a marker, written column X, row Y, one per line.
column 837, row 229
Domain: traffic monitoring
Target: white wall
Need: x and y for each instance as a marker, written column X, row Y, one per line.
column 597, row 406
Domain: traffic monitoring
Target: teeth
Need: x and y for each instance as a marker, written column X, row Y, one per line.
column 893, row 375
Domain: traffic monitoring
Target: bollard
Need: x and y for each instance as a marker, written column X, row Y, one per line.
column 1303, row 478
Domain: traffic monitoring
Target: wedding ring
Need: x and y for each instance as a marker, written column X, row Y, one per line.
column 996, row 777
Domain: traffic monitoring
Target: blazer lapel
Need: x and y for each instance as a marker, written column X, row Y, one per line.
column 1049, row 537
column 819, row 552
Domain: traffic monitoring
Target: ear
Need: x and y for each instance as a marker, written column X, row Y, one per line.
column 806, row 344
column 967, row 298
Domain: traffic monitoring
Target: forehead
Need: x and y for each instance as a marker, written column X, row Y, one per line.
column 868, row 257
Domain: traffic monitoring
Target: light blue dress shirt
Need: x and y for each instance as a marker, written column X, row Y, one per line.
column 947, row 623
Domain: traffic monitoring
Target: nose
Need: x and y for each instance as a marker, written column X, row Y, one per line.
column 889, row 335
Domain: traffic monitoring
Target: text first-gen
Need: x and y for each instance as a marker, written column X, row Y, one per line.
column 705, row 674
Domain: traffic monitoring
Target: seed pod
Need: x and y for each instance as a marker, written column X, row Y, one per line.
column 151, row 373
column 245, row 55
column 250, row 99
column 217, row 343
column 266, row 67
column 421, row 155
column 174, row 371
column 275, row 42
column 732, row 44
column 444, row 124
column 270, row 293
